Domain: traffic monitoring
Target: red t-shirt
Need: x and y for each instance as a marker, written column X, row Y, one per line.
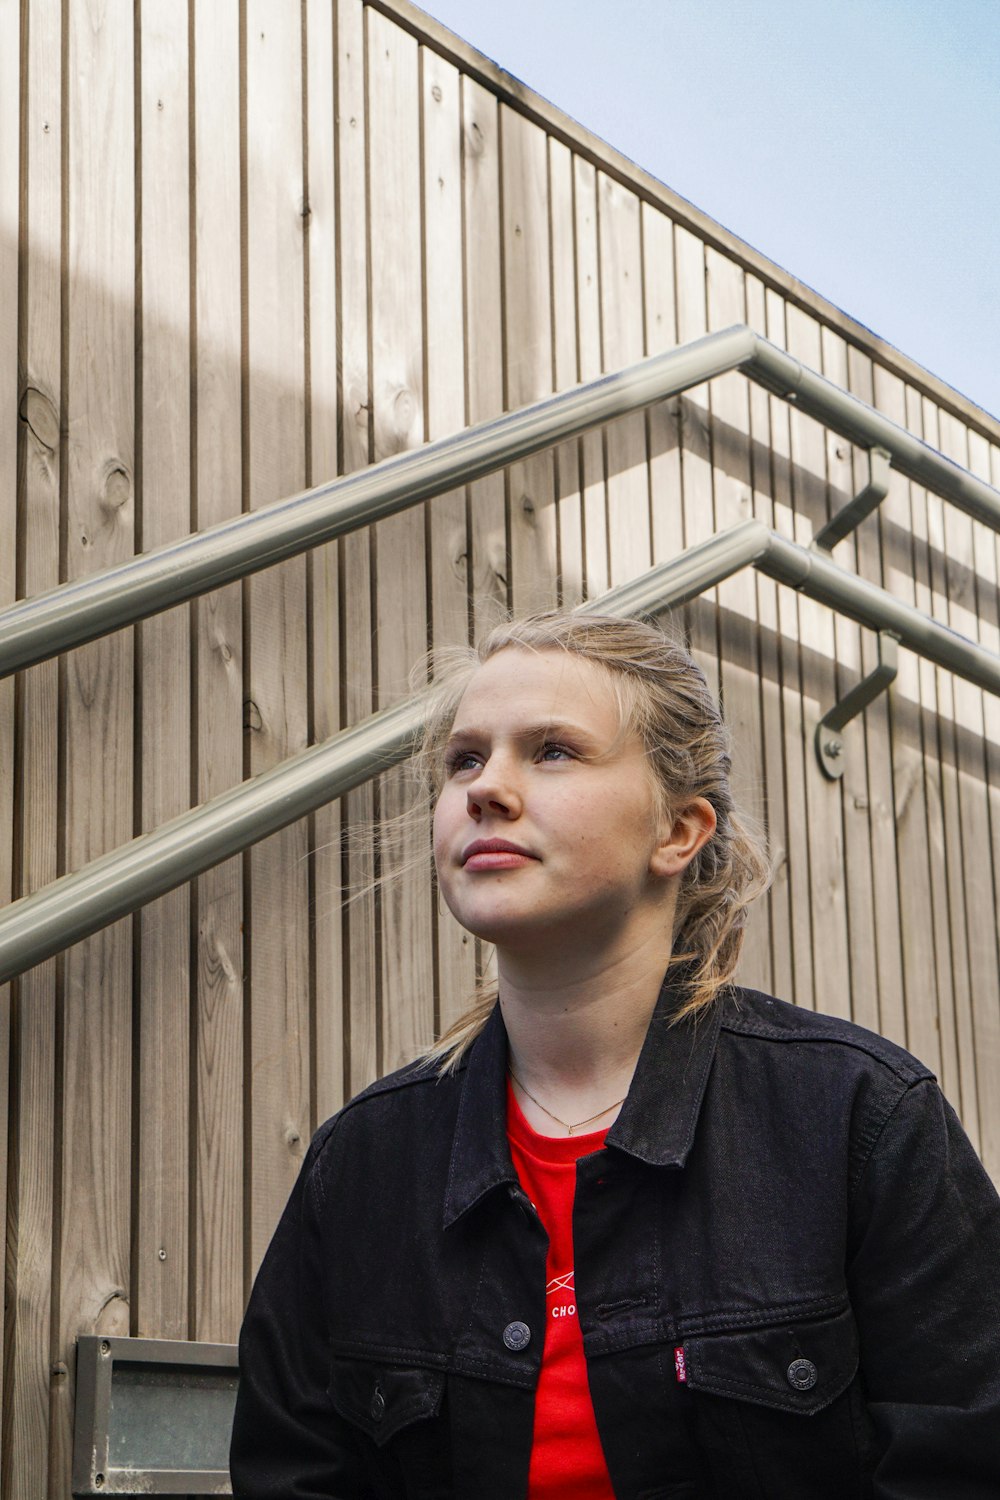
column 566, row 1455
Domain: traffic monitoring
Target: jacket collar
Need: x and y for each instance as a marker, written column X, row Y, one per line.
column 656, row 1124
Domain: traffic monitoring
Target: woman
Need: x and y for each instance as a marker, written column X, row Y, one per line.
column 619, row 1234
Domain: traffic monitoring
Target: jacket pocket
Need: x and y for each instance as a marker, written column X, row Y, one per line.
column 791, row 1367
column 383, row 1399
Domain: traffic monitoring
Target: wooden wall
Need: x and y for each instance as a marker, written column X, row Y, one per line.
column 243, row 248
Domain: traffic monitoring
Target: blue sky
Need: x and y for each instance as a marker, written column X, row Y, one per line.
column 855, row 142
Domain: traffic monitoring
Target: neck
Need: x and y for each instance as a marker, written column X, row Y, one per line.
column 575, row 1032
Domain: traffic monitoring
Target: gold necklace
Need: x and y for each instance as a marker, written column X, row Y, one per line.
column 565, row 1123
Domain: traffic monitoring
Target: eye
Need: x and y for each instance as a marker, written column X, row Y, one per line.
column 461, row 760
column 552, row 751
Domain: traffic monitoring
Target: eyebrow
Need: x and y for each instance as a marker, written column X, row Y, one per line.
column 546, row 728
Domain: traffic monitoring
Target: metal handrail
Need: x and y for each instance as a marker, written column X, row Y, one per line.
column 35, row 629
column 111, row 887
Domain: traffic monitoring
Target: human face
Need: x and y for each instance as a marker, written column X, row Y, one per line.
column 546, row 824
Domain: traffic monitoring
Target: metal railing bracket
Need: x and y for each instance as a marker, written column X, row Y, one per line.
column 829, row 740
column 850, row 516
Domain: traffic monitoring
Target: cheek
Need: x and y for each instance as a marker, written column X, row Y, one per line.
column 447, row 811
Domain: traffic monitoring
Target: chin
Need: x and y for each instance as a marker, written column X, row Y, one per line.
column 513, row 930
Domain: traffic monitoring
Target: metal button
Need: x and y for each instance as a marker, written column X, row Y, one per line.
column 517, row 1336
column 377, row 1407
column 802, row 1374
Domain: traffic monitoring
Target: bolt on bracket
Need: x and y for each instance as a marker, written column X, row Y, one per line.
column 850, row 516
column 829, row 741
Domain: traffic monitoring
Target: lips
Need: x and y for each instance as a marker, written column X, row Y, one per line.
column 495, row 854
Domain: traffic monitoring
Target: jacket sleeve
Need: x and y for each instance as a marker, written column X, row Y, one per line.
column 288, row 1441
column 924, row 1276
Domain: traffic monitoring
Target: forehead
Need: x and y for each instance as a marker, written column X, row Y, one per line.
column 535, row 687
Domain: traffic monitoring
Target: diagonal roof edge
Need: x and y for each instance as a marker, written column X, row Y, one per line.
column 583, row 141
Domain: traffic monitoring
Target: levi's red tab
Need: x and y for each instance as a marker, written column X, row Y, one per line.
column 680, row 1365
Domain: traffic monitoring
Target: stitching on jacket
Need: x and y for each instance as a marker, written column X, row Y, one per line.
column 692, row 1324
column 698, row 1092
column 314, row 1181
column 878, row 1131
column 423, row 1359
column 760, row 1393
column 760, row 1029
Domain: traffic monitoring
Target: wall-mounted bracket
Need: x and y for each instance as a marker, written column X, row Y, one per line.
column 829, row 741
column 855, row 511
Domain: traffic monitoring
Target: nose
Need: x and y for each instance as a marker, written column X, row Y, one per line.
column 495, row 792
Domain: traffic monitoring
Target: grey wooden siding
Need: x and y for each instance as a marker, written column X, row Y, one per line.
column 243, row 248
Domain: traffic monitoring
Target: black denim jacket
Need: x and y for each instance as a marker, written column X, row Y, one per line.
column 786, row 1214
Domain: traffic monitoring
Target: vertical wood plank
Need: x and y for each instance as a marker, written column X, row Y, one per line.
column 986, row 460
column 588, row 313
column 662, row 420
column 795, row 748
column 980, row 898
column 739, row 666
column 33, row 1092
column 696, row 448
column 823, row 798
column 276, row 709
column 356, row 636
column 951, row 807
column 873, row 546
column 569, row 501
column 484, row 342
column 923, row 860
column 400, row 564
column 776, row 907
column 160, row 1272
column 324, row 645
column 218, row 652
column 447, row 539
column 94, row 1231
column 861, row 820
column 985, row 549
column 622, row 344
column 528, row 355
column 897, row 565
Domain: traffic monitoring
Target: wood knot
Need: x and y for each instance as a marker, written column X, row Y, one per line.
column 401, row 415
column 40, row 417
column 113, row 1318
column 436, row 93
column 223, row 649
column 404, row 409
column 117, row 489
column 251, row 716
column 475, row 141
column 528, row 506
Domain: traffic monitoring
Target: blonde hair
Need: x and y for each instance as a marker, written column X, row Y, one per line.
column 664, row 698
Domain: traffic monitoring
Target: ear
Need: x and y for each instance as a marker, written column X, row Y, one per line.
column 690, row 831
